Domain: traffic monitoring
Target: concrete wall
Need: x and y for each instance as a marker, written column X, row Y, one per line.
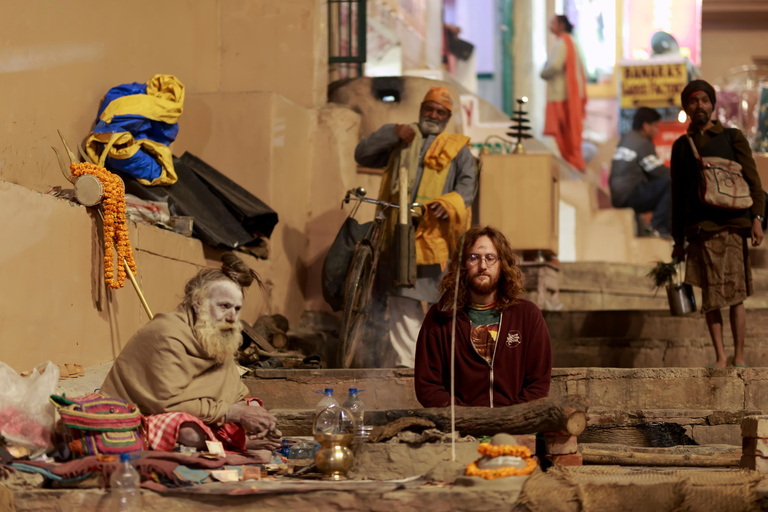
column 255, row 73
column 58, row 59
column 53, row 302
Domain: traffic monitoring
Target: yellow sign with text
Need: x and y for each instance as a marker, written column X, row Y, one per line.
column 652, row 85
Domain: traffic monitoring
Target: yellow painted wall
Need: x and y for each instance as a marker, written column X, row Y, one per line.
column 255, row 72
column 57, row 59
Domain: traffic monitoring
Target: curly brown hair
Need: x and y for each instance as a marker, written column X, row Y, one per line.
column 511, row 278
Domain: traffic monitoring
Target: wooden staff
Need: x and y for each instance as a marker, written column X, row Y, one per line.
column 90, row 192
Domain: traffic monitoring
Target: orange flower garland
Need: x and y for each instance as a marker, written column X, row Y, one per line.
column 490, row 450
column 115, row 225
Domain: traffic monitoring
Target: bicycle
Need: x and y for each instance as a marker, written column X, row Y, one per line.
column 361, row 276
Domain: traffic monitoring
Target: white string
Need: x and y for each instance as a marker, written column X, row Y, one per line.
column 453, row 351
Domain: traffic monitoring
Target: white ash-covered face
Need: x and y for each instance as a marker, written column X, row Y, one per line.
column 224, row 301
column 218, row 320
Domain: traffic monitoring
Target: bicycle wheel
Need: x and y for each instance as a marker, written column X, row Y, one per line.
column 356, row 297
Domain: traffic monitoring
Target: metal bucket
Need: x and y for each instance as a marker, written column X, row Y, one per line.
column 681, row 299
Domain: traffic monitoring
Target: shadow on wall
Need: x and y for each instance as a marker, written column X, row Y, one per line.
column 295, row 242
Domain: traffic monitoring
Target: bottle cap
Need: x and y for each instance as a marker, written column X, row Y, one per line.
column 125, row 457
column 352, row 391
column 328, row 391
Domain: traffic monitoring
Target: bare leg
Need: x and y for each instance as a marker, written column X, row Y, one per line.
column 190, row 434
column 715, row 325
column 738, row 328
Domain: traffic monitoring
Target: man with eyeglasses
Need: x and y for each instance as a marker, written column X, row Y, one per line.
column 441, row 175
column 503, row 354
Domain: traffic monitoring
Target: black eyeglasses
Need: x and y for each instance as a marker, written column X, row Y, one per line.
column 475, row 259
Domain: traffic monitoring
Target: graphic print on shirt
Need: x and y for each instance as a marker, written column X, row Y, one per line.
column 513, row 339
column 485, row 329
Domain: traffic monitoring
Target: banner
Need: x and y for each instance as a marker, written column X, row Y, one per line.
column 652, row 84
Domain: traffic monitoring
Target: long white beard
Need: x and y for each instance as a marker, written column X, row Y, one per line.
column 219, row 340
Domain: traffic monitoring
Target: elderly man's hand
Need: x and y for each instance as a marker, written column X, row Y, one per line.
column 271, row 443
column 255, row 420
column 439, row 210
column 405, row 132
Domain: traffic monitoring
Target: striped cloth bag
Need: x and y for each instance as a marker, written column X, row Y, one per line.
column 100, row 426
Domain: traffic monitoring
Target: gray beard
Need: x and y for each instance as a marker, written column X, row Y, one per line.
column 430, row 127
column 218, row 340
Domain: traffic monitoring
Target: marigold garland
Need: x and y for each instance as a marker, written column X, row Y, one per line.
column 511, row 450
column 490, row 450
column 115, row 225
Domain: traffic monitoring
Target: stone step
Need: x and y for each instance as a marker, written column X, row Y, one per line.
column 617, row 286
column 646, row 339
column 606, row 389
column 638, row 407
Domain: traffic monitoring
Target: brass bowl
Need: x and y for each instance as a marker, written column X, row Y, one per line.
column 334, row 458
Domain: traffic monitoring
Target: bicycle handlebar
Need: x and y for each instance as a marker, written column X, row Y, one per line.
column 358, row 194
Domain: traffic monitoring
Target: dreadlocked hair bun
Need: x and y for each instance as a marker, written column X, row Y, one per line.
column 236, row 269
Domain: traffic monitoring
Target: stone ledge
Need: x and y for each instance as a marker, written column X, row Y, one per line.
column 624, row 389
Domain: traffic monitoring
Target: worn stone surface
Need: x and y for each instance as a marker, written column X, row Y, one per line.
column 392, row 461
column 432, row 498
column 617, row 389
column 717, row 434
column 446, row 471
column 645, row 339
column 591, row 286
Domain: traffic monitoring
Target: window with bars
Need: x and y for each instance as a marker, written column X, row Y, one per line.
column 346, row 38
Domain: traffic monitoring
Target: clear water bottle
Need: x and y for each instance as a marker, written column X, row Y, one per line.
column 326, row 401
column 356, row 407
column 327, row 414
column 124, row 487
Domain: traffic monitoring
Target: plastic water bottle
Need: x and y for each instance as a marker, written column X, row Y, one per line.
column 326, row 401
column 356, row 407
column 327, row 414
column 124, row 485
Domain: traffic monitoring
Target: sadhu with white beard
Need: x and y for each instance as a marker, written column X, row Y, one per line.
column 180, row 370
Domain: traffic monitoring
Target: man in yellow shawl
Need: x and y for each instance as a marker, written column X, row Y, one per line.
column 441, row 175
column 566, row 93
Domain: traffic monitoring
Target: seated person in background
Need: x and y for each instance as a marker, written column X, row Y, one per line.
column 183, row 362
column 639, row 179
column 503, row 352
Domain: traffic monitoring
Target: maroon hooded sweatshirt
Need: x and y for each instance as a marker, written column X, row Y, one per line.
column 521, row 369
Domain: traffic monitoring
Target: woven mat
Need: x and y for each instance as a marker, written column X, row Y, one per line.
column 612, row 489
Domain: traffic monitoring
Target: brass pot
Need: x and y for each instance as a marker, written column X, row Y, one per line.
column 334, row 458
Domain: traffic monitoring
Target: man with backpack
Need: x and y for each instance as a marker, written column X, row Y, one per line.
column 715, row 207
